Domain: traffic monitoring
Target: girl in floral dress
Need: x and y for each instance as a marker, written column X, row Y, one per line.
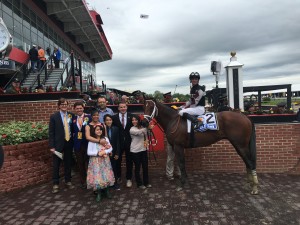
column 100, row 175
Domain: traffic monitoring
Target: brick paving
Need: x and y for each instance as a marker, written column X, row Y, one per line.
column 209, row 198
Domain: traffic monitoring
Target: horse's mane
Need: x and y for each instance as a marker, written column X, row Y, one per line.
column 165, row 107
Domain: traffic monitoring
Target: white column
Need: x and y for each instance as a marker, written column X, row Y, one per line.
column 234, row 83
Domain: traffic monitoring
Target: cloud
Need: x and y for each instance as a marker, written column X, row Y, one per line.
column 181, row 37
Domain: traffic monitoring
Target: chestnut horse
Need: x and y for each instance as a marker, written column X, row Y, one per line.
column 233, row 126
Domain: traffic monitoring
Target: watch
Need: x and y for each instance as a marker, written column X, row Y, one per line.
column 5, row 37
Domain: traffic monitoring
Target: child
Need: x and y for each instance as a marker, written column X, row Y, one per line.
column 100, row 174
column 138, row 150
column 114, row 139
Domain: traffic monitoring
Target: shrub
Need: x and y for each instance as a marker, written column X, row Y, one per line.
column 17, row 132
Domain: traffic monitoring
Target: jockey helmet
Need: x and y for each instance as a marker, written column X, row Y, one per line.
column 194, row 75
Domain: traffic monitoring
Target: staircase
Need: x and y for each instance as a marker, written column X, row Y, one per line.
column 53, row 78
column 31, row 77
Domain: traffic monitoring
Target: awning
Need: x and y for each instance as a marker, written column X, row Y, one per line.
column 84, row 25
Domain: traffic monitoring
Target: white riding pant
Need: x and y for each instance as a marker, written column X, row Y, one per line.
column 199, row 110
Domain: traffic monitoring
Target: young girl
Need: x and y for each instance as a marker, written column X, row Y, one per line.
column 138, row 150
column 100, row 174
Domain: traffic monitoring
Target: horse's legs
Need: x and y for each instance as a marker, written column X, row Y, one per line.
column 179, row 152
column 250, row 163
column 254, row 190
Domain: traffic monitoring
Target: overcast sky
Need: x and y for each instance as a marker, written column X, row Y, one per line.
column 184, row 36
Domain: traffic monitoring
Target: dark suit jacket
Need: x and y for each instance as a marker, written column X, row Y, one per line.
column 125, row 138
column 57, row 132
column 78, row 142
column 114, row 140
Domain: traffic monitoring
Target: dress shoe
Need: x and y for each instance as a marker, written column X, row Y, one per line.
column 128, row 183
column 142, row 187
column 148, row 186
column 55, row 189
column 69, row 185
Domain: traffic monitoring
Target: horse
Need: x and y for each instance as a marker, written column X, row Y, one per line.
column 233, row 126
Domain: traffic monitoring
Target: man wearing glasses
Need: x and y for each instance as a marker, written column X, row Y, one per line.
column 103, row 110
column 61, row 142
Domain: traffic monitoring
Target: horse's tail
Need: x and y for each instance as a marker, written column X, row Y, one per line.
column 252, row 146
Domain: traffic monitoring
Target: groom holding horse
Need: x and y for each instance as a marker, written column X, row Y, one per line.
column 195, row 105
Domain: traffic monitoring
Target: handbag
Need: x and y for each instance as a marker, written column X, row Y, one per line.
column 92, row 149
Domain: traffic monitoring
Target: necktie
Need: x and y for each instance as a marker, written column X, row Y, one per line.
column 66, row 128
column 123, row 121
column 80, row 122
column 109, row 132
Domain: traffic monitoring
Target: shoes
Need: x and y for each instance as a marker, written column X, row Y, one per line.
column 107, row 193
column 128, row 183
column 98, row 198
column 55, row 189
column 69, row 185
column 116, row 187
column 83, row 186
column 148, row 186
column 142, row 187
column 170, row 178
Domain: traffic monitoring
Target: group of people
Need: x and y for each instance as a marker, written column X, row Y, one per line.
column 38, row 57
column 99, row 140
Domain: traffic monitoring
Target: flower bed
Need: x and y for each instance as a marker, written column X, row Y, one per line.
column 17, row 132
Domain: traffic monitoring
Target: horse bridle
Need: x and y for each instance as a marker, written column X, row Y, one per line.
column 154, row 112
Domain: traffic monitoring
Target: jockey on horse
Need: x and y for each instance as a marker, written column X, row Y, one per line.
column 195, row 105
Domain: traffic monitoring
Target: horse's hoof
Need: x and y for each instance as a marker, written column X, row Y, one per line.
column 254, row 192
column 179, row 189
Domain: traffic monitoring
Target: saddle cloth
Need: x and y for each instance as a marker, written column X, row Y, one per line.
column 210, row 122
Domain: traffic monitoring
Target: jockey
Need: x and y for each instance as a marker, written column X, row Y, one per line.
column 195, row 105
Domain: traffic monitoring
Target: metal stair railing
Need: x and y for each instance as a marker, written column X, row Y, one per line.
column 38, row 76
column 16, row 75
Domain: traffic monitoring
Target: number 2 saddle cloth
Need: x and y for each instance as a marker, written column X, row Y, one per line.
column 209, row 122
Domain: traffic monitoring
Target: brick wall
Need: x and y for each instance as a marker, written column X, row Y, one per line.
column 24, row 165
column 29, row 111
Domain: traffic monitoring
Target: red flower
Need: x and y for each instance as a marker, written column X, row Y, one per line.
column 17, row 131
column 4, row 135
column 33, row 125
column 141, row 116
column 40, row 129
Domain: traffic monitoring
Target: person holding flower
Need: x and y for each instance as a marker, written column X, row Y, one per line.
column 100, row 175
column 80, row 120
column 61, row 142
column 138, row 150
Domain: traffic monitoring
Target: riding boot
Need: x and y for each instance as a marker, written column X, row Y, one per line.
column 193, row 119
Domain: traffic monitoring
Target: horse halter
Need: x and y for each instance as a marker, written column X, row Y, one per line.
column 154, row 112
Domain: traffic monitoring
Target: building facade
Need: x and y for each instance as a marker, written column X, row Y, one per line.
column 66, row 24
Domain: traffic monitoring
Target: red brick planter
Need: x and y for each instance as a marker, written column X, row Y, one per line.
column 25, row 165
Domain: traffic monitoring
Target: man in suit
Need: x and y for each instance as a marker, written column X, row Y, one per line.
column 79, row 121
column 123, row 121
column 60, row 140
